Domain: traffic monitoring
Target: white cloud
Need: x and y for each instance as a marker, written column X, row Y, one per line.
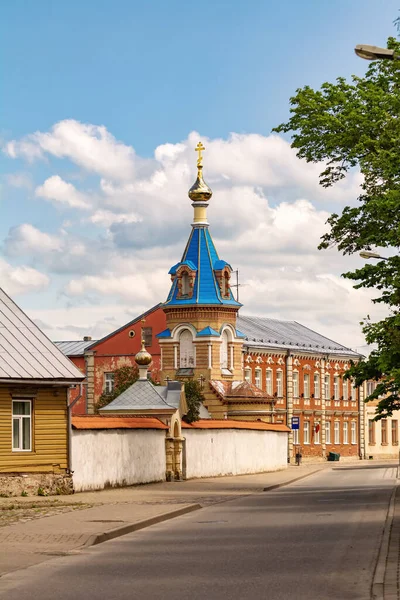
column 22, row 279
column 106, row 218
column 27, row 239
column 59, row 191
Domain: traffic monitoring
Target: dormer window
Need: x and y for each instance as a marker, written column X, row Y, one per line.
column 185, row 287
column 223, row 276
column 186, row 277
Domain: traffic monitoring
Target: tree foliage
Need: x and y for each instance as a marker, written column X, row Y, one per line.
column 194, row 399
column 348, row 125
column 124, row 377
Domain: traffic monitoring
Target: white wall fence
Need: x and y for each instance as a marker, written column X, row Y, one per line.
column 215, row 452
column 122, row 457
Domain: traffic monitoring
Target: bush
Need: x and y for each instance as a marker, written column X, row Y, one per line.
column 194, row 398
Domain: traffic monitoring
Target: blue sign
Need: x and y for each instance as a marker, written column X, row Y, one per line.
column 295, row 422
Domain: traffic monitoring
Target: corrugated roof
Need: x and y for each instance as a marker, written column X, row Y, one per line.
column 231, row 424
column 262, row 332
column 26, row 352
column 141, row 395
column 74, row 348
column 201, row 252
column 116, row 422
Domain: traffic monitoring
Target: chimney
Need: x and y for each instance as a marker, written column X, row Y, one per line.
column 87, row 338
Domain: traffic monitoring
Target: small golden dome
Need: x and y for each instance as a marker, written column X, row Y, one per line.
column 143, row 358
column 200, row 192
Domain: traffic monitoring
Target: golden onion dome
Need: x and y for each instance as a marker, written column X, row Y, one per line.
column 143, row 358
column 200, row 192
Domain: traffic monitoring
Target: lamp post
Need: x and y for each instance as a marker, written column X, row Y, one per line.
column 368, row 254
column 375, row 53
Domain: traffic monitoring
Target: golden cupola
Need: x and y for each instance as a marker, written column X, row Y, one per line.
column 143, row 360
column 200, row 193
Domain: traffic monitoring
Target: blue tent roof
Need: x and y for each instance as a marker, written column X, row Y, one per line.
column 188, row 263
column 220, row 264
column 164, row 334
column 207, row 332
column 201, row 252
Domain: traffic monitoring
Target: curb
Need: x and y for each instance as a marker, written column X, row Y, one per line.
column 279, row 485
column 99, row 538
column 377, row 587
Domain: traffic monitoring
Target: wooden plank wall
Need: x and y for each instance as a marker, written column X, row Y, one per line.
column 49, row 431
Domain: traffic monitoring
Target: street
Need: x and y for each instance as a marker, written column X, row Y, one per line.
column 317, row 538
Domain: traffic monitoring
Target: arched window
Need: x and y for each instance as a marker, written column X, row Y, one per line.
column 185, row 284
column 186, row 349
column 224, row 350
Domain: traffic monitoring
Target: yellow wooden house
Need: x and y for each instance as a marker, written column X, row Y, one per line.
column 34, row 419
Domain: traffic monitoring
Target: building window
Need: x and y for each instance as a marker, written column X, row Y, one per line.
column 327, row 385
column 279, row 384
column 295, row 384
column 384, row 431
column 268, row 381
column 345, row 433
column 186, row 350
column 22, row 425
column 353, row 391
column 336, row 428
column 353, row 432
column 345, row 390
column 296, row 437
column 371, row 431
column 328, row 432
column 395, row 433
column 317, row 433
column 247, row 375
column 257, row 378
column 224, row 350
column 306, row 385
column 108, row 383
column 317, row 391
column 147, row 336
column 371, row 386
column 306, row 432
column 336, row 387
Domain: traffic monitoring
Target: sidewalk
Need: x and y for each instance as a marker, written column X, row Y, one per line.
column 115, row 512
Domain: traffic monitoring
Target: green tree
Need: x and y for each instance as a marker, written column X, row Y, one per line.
column 124, row 377
column 194, row 398
column 357, row 124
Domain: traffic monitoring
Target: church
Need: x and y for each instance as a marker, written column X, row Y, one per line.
column 250, row 368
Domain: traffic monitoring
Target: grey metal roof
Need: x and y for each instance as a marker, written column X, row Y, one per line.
column 262, row 332
column 26, row 352
column 142, row 395
column 74, row 348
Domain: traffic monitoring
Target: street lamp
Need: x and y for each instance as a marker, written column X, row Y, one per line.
column 368, row 254
column 375, row 52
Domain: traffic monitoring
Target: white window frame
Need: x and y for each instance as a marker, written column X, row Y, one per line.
column 109, row 382
column 268, row 381
column 306, row 432
column 345, row 432
column 327, row 386
column 187, row 359
column 336, row 432
column 346, row 390
column 306, row 385
column 295, row 380
column 353, row 432
column 295, row 437
column 257, row 377
column 336, row 387
column 279, row 383
column 224, row 350
column 317, row 387
column 327, row 432
column 20, row 420
column 247, row 374
column 317, row 434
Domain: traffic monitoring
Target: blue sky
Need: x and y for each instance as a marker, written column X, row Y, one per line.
column 151, row 73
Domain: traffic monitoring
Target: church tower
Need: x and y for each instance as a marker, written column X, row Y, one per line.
column 201, row 340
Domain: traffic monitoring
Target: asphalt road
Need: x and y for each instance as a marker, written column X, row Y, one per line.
column 315, row 539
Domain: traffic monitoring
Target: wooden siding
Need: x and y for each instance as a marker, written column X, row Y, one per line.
column 49, row 431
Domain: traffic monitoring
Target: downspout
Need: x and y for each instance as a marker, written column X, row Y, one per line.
column 69, row 418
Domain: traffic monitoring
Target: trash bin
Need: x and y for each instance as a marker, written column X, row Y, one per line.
column 333, row 456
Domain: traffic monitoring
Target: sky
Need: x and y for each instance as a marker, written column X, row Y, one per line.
column 102, row 106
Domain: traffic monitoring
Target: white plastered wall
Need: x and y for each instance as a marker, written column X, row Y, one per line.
column 117, row 457
column 215, row 452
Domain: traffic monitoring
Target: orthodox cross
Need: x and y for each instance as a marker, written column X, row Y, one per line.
column 199, row 148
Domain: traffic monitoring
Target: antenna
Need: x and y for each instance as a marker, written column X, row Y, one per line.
column 237, row 285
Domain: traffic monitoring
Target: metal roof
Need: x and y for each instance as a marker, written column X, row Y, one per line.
column 262, row 332
column 143, row 395
column 200, row 251
column 74, row 348
column 25, row 351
